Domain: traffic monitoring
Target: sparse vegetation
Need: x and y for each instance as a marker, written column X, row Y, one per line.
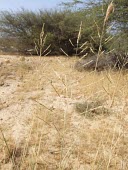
column 59, row 136
column 51, row 115
column 115, row 61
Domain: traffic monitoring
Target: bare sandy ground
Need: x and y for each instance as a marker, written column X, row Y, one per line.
column 13, row 112
column 49, row 89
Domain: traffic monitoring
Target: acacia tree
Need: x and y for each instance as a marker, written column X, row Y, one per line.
column 119, row 20
column 20, row 27
column 24, row 26
column 121, row 14
column 120, row 25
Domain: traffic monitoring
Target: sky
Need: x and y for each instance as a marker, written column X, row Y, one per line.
column 29, row 4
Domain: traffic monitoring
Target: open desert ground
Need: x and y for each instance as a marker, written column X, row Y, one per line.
column 53, row 117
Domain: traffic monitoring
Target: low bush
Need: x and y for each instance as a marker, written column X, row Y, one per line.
column 109, row 61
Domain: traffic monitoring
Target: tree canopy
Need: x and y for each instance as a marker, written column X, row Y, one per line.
column 76, row 20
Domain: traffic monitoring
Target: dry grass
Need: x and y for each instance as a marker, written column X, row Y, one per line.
column 60, row 137
column 79, row 120
column 40, row 43
column 110, row 9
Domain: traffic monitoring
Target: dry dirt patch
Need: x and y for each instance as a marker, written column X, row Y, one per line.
column 13, row 111
column 38, row 107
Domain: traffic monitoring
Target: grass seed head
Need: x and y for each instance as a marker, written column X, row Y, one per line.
column 110, row 9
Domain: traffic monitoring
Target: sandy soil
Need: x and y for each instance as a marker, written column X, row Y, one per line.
column 49, row 89
column 13, row 112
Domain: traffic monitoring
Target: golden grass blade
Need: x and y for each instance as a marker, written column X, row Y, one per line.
column 71, row 42
column 64, row 52
column 46, row 49
column 79, row 34
column 98, row 29
column 108, row 39
column 83, row 45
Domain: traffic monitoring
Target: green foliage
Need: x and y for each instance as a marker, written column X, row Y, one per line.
column 120, row 42
column 119, row 22
column 24, row 27
column 21, row 29
column 121, row 14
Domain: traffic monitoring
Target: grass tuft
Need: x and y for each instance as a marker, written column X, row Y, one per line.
column 92, row 109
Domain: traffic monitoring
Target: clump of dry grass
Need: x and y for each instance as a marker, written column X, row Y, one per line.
column 9, row 153
column 92, row 109
column 61, row 138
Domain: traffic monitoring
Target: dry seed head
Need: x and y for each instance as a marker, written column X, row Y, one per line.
column 79, row 34
column 110, row 9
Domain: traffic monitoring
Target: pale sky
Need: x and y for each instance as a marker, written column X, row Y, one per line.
column 29, row 4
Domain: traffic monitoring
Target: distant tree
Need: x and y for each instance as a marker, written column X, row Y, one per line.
column 121, row 15
column 118, row 21
column 22, row 27
column 73, row 5
column 120, row 28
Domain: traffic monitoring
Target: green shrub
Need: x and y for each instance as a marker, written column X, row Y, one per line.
column 20, row 29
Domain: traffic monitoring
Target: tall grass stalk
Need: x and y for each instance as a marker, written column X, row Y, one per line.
column 40, row 44
column 78, row 38
column 110, row 9
column 81, row 48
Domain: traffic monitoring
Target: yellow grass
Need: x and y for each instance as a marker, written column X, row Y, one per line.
column 61, row 138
